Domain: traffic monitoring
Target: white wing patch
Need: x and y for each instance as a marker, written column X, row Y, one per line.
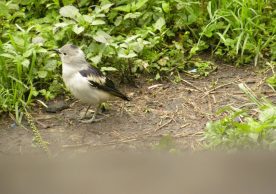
column 98, row 79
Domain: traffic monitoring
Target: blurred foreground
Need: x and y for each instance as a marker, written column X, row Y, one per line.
column 147, row 173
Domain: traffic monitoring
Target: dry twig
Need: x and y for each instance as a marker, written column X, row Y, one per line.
column 160, row 127
column 218, row 87
column 192, row 85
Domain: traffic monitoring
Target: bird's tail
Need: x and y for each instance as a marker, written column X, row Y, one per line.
column 120, row 95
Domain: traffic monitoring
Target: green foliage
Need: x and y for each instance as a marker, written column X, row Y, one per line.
column 272, row 80
column 241, row 30
column 242, row 130
column 130, row 37
column 27, row 69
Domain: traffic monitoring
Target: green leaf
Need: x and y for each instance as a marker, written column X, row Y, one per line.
column 106, row 6
column 108, row 69
column 97, row 22
column 269, row 113
column 159, row 24
column 7, row 55
column 88, row 18
column 123, row 8
column 77, row 29
column 69, row 11
column 194, row 50
column 38, row 40
column 26, row 63
column 209, row 9
column 125, row 54
column 4, row 10
column 60, row 25
column 19, row 40
column 132, row 15
column 96, row 59
column 118, row 21
column 131, row 38
column 272, row 81
column 163, row 61
column 42, row 74
column 102, row 37
column 140, row 4
column 34, row 92
column 13, row 6
column 51, row 65
column 166, row 7
column 157, row 76
column 28, row 53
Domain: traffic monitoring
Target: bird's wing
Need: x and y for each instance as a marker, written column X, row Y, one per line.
column 98, row 80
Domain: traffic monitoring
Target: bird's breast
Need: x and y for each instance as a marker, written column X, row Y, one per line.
column 80, row 87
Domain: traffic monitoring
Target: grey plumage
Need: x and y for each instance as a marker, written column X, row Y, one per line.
column 85, row 82
column 94, row 76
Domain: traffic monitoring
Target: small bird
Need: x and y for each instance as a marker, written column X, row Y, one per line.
column 85, row 82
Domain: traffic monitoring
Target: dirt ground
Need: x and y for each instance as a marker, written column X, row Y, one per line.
column 156, row 111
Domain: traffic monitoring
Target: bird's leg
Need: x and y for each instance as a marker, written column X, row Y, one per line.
column 93, row 119
column 84, row 116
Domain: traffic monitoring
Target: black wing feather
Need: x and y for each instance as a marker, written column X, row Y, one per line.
column 110, row 88
column 98, row 80
column 91, row 71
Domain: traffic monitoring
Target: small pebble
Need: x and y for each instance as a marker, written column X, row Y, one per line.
column 13, row 125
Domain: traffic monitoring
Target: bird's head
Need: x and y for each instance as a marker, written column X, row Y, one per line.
column 71, row 55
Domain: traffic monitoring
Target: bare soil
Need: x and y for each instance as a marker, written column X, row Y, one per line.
column 157, row 109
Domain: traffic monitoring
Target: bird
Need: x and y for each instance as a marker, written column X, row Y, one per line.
column 86, row 82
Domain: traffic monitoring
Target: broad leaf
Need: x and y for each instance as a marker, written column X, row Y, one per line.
column 26, row 63
column 38, row 40
column 42, row 74
column 109, row 69
column 102, row 37
column 69, row 11
column 166, row 7
column 97, row 22
column 124, row 8
column 125, row 54
column 140, row 4
column 132, row 15
column 118, row 21
column 4, row 10
column 77, row 29
column 106, row 6
column 7, row 55
column 88, row 18
column 159, row 24
column 96, row 59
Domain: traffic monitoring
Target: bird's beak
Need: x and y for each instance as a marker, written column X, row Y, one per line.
column 57, row 51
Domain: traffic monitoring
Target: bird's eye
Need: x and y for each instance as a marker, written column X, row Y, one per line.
column 64, row 53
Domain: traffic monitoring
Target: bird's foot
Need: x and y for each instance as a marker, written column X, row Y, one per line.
column 89, row 115
column 86, row 116
column 92, row 120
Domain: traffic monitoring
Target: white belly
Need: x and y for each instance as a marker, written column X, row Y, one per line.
column 82, row 90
